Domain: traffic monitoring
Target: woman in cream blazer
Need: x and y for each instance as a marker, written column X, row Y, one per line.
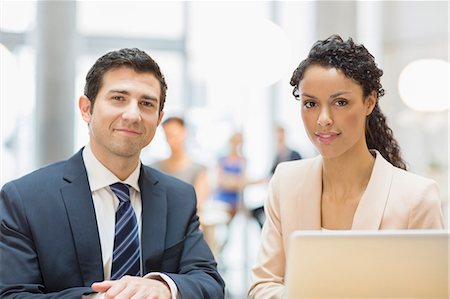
column 394, row 199
column 347, row 186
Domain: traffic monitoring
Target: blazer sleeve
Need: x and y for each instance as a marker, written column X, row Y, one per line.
column 426, row 210
column 20, row 275
column 197, row 275
column 268, row 273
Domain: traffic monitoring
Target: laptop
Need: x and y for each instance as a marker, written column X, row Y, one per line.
column 368, row 264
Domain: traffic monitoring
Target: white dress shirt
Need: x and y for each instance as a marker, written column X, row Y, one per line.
column 105, row 204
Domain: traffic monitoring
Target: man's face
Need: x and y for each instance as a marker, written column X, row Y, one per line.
column 125, row 115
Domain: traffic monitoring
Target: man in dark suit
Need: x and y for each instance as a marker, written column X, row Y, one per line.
column 61, row 234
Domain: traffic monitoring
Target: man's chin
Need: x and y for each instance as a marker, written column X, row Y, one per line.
column 127, row 151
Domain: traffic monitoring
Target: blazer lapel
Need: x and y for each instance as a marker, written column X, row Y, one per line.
column 369, row 214
column 310, row 193
column 154, row 217
column 81, row 213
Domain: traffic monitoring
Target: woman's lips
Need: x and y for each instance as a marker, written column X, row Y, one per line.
column 326, row 137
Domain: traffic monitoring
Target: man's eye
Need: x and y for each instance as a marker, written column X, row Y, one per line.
column 118, row 98
column 147, row 103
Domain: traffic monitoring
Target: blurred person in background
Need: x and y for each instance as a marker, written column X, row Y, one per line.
column 181, row 166
column 358, row 182
column 231, row 178
column 283, row 154
column 231, row 181
column 101, row 224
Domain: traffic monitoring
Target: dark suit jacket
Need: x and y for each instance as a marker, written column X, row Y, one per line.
column 49, row 242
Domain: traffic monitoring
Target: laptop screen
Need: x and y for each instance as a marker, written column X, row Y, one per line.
column 368, row 264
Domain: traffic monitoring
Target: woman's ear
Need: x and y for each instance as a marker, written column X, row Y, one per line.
column 371, row 101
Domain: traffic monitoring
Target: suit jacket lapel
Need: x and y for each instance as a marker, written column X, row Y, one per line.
column 369, row 213
column 81, row 213
column 310, row 193
column 154, row 217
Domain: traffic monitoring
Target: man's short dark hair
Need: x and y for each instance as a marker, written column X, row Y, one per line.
column 133, row 58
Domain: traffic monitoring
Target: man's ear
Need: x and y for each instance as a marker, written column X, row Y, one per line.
column 161, row 115
column 371, row 102
column 84, row 104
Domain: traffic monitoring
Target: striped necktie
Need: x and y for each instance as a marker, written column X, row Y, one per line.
column 126, row 253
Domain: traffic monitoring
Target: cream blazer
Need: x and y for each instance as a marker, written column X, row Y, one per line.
column 393, row 199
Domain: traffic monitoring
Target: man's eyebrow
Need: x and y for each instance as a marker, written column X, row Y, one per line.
column 149, row 97
column 125, row 92
column 122, row 91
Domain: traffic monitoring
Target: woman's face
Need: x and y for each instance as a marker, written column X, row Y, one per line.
column 334, row 111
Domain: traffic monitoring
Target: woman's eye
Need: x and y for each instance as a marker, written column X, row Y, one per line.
column 308, row 104
column 341, row 102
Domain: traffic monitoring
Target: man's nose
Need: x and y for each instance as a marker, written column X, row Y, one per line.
column 132, row 111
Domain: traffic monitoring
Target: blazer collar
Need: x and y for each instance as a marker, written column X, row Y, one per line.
column 370, row 210
column 81, row 213
column 371, row 207
column 311, row 194
column 77, row 198
column 154, row 218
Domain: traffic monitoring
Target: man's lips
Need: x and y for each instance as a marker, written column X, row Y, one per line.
column 127, row 131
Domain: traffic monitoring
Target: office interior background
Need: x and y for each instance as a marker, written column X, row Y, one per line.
column 227, row 65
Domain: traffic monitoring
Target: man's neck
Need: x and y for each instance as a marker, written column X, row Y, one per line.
column 120, row 166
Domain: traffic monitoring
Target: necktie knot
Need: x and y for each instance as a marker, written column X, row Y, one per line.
column 122, row 191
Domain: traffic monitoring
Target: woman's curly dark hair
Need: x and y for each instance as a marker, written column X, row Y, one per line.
column 358, row 64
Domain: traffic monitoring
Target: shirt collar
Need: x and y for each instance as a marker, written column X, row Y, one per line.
column 100, row 177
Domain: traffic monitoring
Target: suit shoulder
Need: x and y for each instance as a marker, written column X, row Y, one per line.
column 291, row 173
column 166, row 180
column 296, row 167
column 33, row 188
column 178, row 192
column 411, row 180
column 42, row 174
column 414, row 188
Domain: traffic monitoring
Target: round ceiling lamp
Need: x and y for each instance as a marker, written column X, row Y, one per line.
column 424, row 85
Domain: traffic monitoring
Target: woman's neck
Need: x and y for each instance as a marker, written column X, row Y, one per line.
column 347, row 174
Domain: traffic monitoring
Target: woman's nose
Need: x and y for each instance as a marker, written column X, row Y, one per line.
column 324, row 118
